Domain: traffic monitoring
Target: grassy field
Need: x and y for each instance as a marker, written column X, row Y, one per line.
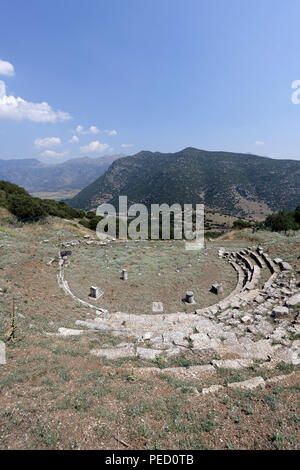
column 160, row 272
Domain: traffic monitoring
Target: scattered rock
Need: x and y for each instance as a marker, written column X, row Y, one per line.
column 69, row 332
column 293, row 301
column 297, row 319
column 246, row 319
column 212, row 389
column 279, row 311
column 157, row 307
column 147, row 336
column 284, row 266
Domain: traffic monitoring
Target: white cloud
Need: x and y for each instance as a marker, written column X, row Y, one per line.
column 94, row 130
column 90, row 130
column 6, row 68
column 127, row 145
column 79, row 130
column 18, row 109
column 47, row 142
column 259, row 142
column 95, row 146
column 111, row 133
column 74, row 140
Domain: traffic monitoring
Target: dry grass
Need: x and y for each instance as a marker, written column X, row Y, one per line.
column 102, row 267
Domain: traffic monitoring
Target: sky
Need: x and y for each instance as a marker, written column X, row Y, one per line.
column 97, row 77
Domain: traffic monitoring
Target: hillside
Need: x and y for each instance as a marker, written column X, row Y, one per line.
column 16, row 201
column 238, row 184
column 36, row 176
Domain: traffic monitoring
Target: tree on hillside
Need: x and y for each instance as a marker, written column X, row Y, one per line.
column 283, row 221
column 25, row 207
column 241, row 223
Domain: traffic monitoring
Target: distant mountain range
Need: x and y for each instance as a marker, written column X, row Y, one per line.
column 232, row 183
column 35, row 176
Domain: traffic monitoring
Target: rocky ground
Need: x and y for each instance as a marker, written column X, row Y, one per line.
column 76, row 375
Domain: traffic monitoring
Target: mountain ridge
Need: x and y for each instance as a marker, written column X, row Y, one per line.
column 240, row 184
column 35, row 176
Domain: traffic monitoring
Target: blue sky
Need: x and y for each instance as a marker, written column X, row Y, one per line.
column 156, row 75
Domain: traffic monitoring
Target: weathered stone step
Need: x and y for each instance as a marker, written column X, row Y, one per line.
column 232, row 363
column 199, row 373
column 126, row 350
column 249, row 384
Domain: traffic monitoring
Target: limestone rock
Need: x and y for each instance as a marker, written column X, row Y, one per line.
column 259, row 299
column 93, row 325
column 173, row 351
column 293, row 301
column 192, row 372
column 246, row 319
column 279, row 311
column 147, row 353
column 232, row 363
column 157, row 307
column 176, row 337
column 249, row 384
column 246, row 350
column 69, row 332
column 202, row 341
column 297, row 319
column 284, row 266
column 114, row 353
column 212, row 389
column 290, row 355
column 147, row 336
column 278, row 334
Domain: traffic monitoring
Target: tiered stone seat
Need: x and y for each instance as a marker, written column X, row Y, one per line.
column 228, row 328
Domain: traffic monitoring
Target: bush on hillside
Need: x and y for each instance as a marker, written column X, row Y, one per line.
column 284, row 221
column 241, row 223
column 19, row 202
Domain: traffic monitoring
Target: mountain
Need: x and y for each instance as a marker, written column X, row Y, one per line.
column 36, row 176
column 232, row 183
